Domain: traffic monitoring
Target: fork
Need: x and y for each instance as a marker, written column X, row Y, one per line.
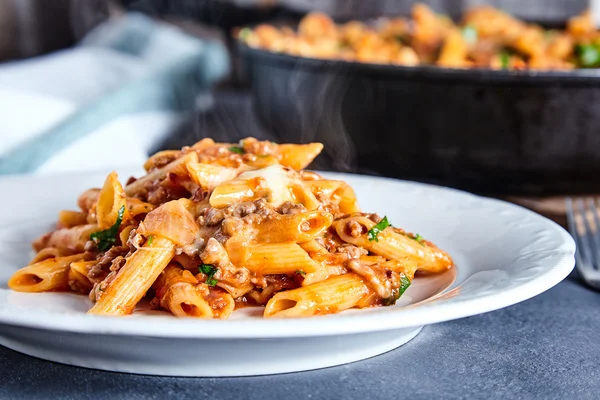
column 583, row 219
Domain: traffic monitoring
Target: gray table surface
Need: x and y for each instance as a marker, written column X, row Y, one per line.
column 544, row 348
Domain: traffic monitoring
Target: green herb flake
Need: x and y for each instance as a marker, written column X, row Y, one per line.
column 588, row 55
column 300, row 272
column 150, row 239
column 505, row 60
column 375, row 230
column 245, row 33
column 402, row 39
column 469, row 33
column 419, row 239
column 237, row 149
column 209, row 271
column 404, row 284
column 107, row 238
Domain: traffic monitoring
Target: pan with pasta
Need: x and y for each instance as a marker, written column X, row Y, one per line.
column 217, row 226
column 486, row 37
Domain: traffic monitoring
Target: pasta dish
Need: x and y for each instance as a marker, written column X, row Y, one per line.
column 218, row 226
column 486, row 37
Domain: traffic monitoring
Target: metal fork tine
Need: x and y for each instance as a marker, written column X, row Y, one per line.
column 573, row 229
column 586, row 244
column 596, row 234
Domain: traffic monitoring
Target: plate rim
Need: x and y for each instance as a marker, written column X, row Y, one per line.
column 381, row 319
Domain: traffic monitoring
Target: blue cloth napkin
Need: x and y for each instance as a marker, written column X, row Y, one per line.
column 128, row 67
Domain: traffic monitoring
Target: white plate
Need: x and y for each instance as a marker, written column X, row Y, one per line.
column 504, row 254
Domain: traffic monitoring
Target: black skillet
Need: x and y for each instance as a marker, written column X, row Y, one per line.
column 496, row 132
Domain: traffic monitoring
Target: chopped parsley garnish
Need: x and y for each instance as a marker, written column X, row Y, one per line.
column 300, row 272
column 419, row 238
column 150, row 239
column 402, row 39
column 588, row 55
column 245, row 33
column 469, row 33
column 237, row 149
column 404, row 284
column 209, row 271
column 374, row 231
column 505, row 60
column 107, row 238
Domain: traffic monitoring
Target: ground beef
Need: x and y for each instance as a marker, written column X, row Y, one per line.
column 375, row 218
column 105, row 261
column 163, row 160
column 199, row 195
column 291, row 208
column 134, row 241
column 91, row 246
column 214, row 216
column 353, row 252
column 355, row 228
column 118, row 263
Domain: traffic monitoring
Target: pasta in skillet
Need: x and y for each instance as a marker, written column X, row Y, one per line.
column 486, row 37
column 217, row 226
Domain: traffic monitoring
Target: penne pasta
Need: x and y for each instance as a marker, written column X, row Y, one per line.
column 209, row 176
column 216, row 225
column 78, row 276
column 71, row 240
column 69, row 219
column 110, row 202
column 393, row 245
column 279, row 258
column 176, row 290
column 335, row 294
column 135, row 278
column 299, row 228
column 298, row 156
column 177, row 166
column 45, row 276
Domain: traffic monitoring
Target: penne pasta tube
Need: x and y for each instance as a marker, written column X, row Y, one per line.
column 110, row 201
column 135, row 278
column 160, row 158
column 322, row 273
column 178, row 167
column 124, row 234
column 177, row 292
column 335, row 294
column 337, row 192
column 280, row 258
column 323, row 187
column 393, row 245
column 274, row 183
column 87, row 199
column 137, row 207
column 237, row 191
column 454, row 51
column 209, row 176
column 347, row 199
column 298, row 156
column 71, row 239
column 299, row 228
column 78, row 276
column 44, row 276
column 48, row 252
column 69, row 219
